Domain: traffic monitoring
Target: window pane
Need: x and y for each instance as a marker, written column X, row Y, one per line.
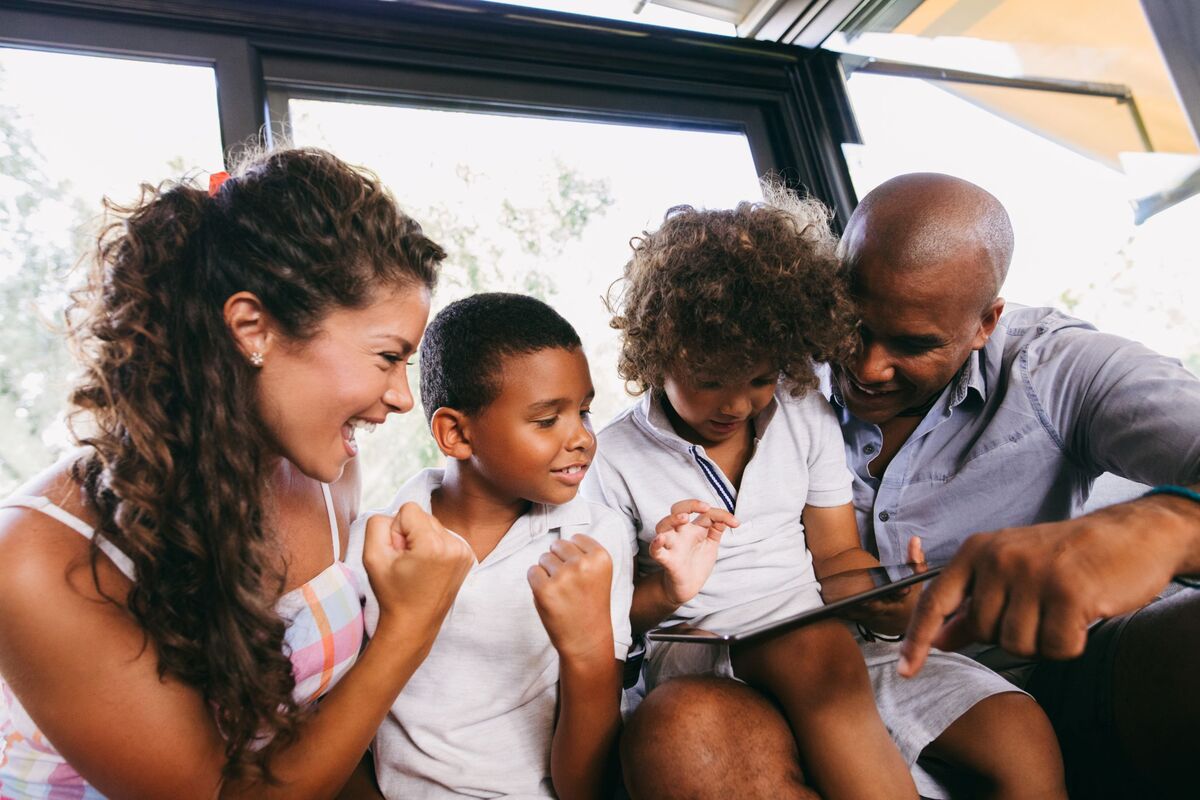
column 1076, row 40
column 72, row 130
column 1078, row 242
column 632, row 11
column 544, row 207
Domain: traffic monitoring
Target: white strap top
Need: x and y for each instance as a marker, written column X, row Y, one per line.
column 43, row 504
column 119, row 559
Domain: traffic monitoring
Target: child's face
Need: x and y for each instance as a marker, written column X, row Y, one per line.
column 535, row 441
column 713, row 409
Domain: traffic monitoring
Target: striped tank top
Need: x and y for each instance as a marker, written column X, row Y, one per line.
column 323, row 637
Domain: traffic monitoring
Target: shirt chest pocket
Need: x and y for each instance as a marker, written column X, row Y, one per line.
column 1025, row 449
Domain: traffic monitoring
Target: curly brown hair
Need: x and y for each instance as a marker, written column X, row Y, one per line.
column 714, row 292
column 179, row 465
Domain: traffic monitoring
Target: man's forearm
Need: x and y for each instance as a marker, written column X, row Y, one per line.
column 1179, row 517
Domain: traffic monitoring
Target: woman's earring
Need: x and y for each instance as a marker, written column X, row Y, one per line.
column 256, row 359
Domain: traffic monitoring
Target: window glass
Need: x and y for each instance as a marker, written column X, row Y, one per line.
column 633, row 11
column 1082, row 138
column 540, row 206
column 74, row 129
column 1079, row 245
column 1081, row 41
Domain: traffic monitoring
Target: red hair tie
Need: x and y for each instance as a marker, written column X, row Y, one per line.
column 214, row 182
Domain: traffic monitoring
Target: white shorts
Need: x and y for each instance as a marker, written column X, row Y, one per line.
column 915, row 710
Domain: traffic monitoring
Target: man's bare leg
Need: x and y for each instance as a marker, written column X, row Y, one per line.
column 1008, row 746
column 701, row 738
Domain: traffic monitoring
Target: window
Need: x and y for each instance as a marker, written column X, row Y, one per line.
column 559, row 120
column 1065, row 111
column 73, row 129
column 533, row 205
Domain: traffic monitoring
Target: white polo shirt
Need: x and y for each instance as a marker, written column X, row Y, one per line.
column 477, row 718
column 642, row 467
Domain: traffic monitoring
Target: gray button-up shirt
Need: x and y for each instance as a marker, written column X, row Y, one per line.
column 1021, row 433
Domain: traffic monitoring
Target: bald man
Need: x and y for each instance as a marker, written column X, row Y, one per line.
column 960, row 417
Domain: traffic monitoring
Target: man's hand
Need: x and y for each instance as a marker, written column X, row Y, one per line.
column 685, row 546
column 1036, row 590
column 415, row 566
column 572, row 583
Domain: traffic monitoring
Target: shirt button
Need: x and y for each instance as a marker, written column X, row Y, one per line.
column 869, row 449
column 884, row 516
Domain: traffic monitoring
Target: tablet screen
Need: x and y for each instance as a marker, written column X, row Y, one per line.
column 838, row 592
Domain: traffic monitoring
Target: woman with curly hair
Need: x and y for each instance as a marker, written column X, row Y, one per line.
column 731, row 470
column 232, row 342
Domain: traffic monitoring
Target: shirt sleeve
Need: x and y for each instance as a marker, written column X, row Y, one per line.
column 1114, row 405
column 622, row 595
column 829, row 480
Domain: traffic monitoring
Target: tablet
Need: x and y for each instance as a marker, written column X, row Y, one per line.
column 839, row 592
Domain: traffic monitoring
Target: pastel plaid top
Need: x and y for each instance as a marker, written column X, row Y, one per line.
column 323, row 638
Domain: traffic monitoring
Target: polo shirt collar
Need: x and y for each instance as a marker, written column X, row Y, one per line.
column 653, row 417
column 544, row 518
column 540, row 519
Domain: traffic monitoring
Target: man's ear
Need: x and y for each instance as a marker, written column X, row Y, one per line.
column 451, row 431
column 250, row 325
column 987, row 323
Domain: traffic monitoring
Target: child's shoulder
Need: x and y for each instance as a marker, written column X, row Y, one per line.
column 416, row 489
column 622, row 425
column 809, row 405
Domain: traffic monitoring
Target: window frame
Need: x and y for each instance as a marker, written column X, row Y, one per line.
column 789, row 102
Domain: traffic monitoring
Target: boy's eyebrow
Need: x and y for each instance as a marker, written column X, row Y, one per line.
column 547, row 405
column 557, row 402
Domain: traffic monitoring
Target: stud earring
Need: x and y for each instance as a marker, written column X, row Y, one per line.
column 256, row 359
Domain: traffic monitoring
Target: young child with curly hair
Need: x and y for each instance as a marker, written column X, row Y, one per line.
column 723, row 314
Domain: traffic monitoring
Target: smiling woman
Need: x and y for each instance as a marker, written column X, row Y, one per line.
column 231, row 342
column 361, row 355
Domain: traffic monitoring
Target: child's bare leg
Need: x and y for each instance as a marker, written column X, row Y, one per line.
column 1007, row 742
column 818, row 675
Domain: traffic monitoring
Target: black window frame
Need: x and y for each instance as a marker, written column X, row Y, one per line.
column 790, row 102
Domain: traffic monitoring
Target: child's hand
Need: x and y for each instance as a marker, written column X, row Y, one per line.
column 415, row 567
column 571, row 587
column 890, row 613
column 686, row 547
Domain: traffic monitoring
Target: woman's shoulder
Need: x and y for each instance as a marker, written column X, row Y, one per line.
column 41, row 548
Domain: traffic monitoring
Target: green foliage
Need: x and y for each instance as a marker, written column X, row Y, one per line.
column 492, row 245
column 507, row 247
column 40, row 225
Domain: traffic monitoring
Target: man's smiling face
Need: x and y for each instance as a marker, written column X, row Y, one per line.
column 917, row 330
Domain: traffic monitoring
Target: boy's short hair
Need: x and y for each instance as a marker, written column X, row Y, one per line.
column 464, row 348
column 717, row 291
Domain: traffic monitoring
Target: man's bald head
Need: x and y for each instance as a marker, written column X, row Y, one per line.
column 924, row 220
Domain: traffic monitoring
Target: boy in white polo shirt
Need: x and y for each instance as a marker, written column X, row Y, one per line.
column 722, row 314
column 519, row 696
